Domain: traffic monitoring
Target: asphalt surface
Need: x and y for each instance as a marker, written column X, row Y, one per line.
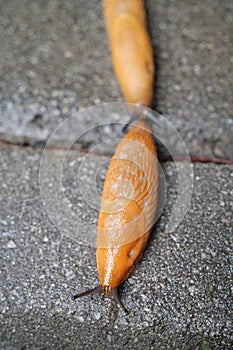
column 178, row 296
column 55, row 62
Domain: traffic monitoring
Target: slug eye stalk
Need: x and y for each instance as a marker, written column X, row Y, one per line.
column 103, row 290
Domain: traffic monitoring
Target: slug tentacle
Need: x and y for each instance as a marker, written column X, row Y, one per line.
column 116, row 297
column 96, row 290
column 103, row 290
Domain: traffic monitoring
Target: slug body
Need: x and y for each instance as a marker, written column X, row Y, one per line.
column 128, row 208
column 128, row 203
column 131, row 49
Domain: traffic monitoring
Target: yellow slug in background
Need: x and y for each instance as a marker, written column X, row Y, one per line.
column 131, row 49
column 129, row 196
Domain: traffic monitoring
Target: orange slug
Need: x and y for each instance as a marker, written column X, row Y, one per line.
column 127, row 210
column 131, row 49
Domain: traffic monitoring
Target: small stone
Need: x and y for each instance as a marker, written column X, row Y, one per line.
column 163, row 26
column 65, row 110
column 197, row 70
column 177, row 87
column 191, row 290
column 45, row 239
column 68, row 54
column 21, row 89
column 164, row 54
column 35, row 92
column 31, row 74
column 34, row 60
column 211, row 289
column 69, row 275
column 3, row 222
column 97, row 101
column 97, row 316
column 11, row 245
column 72, row 163
column 107, row 129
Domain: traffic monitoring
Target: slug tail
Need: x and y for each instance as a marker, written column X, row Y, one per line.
column 96, row 290
column 116, row 297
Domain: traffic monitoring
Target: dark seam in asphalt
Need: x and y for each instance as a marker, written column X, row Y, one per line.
column 193, row 159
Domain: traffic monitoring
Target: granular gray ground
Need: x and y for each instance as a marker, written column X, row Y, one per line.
column 179, row 296
column 55, row 61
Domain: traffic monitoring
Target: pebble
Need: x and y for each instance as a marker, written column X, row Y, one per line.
column 80, row 319
column 45, row 239
column 11, row 245
column 197, row 70
column 68, row 54
column 97, row 316
column 3, row 222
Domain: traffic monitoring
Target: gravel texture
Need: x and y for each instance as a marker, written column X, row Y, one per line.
column 55, row 60
column 179, row 296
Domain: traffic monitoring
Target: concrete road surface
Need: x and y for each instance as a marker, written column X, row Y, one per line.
column 54, row 62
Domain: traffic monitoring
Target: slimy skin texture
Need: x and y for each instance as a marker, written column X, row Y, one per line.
column 131, row 49
column 115, row 264
column 128, row 206
column 129, row 196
